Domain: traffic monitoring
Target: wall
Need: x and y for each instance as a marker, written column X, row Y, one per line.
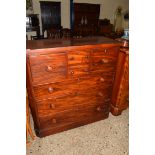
column 107, row 9
column 65, row 11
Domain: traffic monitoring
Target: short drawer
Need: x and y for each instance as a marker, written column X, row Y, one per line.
column 80, row 113
column 59, row 89
column 48, row 68
column 78, row 57
column 48, row 72
column 79, row 70
column 55, row 58
column 105, row 51
column 98, row 62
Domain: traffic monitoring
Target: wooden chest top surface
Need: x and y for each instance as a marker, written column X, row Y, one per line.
column 48, row 43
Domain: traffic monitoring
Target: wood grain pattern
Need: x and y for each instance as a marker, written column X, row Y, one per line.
column 56, row 89
column 111, row 51
column 120, row 97
column 78, row 57
column 48, row 68
column 65, row 88
column 78, row 114
column 55, row 106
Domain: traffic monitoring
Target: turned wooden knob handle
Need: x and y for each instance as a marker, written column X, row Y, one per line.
column 72, row 72
column 54, row 120
column 107, row 100
column 104, row 60
column 78, row 79
column 50, row 89
column 100, row 94
column 52, row 106
column 102, row 79
column 71, row 58
column 50, row 68
column 105, row 50
column 98, row 108
column 86, row 70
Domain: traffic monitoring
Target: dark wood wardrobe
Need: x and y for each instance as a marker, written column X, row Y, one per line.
column 50, row 15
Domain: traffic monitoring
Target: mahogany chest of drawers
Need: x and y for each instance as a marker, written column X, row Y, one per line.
column 70, row 82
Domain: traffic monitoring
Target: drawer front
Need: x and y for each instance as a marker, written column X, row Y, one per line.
column 102, row 70
column 38, row 59
column 48, row 72
column 98, row 62
column 106, row 51
column 100, row 81
column 78, row 114
column 53, row 106
column 78, row 57
column 48, row 68
column 98, row 92
column 59, row 89
column 79, row 70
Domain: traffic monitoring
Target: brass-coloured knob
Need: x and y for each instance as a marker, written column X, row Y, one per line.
column 50, row 90
column 54, row 120
column 52, row 106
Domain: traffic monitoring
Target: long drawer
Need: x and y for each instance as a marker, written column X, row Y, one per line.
column 52, row 106
column 70, row 87
column 58, row 89
column 78, row 114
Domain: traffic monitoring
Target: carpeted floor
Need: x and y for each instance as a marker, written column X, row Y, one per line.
column 105, row 137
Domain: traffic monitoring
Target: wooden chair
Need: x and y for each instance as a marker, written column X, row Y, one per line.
column 66, row 33
column 53, row 33
column 28, row 126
